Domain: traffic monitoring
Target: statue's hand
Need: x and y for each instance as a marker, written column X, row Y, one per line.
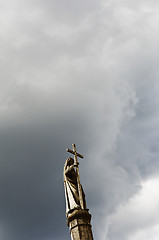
column 76, row 164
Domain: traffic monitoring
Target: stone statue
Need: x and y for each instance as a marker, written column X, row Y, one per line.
column 77, row 215
column 71, row 187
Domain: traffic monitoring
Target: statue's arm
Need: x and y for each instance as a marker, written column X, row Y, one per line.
column 69, row 169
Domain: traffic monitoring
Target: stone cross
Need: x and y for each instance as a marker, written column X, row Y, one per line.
column 77, row 171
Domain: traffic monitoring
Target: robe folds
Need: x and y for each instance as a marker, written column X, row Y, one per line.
column 71, row 187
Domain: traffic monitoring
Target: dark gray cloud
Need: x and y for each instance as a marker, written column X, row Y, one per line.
column 84, row 73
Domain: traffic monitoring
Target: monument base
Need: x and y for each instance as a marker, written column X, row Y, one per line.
column 79, row 224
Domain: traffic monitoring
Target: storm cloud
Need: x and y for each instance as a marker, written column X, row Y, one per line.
column 83, row 73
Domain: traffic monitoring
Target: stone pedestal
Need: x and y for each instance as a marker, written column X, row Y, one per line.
column 79, row 224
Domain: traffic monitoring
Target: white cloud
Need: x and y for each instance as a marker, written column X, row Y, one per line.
column 138, row 218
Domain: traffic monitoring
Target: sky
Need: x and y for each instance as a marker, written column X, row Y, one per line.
column 83, row 72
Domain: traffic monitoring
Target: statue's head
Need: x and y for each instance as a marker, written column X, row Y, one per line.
column 70, row 161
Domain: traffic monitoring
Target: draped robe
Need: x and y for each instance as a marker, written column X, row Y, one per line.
column 71, row 187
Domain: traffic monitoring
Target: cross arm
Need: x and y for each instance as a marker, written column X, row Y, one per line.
column 71, row 151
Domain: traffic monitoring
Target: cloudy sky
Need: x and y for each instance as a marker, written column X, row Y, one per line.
column 84, row 72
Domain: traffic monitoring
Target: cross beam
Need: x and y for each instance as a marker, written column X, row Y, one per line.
column 73, row 152
column 77, row 171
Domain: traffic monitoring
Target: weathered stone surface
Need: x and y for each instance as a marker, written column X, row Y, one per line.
column 78, row 217
column 79, row 224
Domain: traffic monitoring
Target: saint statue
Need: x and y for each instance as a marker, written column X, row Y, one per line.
column 77, row 215
column 71, row 187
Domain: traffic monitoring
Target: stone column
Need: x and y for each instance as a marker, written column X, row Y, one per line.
column 79, row 224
